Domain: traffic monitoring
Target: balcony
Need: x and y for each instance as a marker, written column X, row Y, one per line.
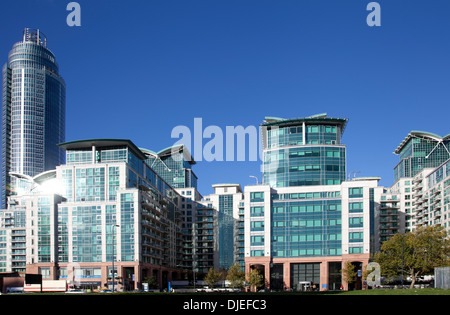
column 387, row 206
column 390, row 219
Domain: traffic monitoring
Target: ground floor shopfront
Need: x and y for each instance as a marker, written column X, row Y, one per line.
column 309, row 273
column 126, row 276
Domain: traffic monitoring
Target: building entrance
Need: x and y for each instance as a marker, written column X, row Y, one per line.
column 276, row 277
column 305, row 276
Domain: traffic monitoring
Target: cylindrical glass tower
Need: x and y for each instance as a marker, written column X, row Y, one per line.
column 304, row 151
column 33, row 111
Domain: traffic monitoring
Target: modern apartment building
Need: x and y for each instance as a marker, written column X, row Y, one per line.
column 174, row 165
column 13, row 239
column 228, row 200
column 431, row 197
column 110, row 209
column 33, row 111
column 315, row 141
column 402, row 205
column 420, row 150
column 306, row 221
column 199, row 220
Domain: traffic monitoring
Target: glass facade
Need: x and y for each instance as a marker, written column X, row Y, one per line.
column 297, row 203
column 297, row 153
column 304, row 166
column 304, row 227
column 420, row 150
column 110, row 194
column 44, row 213
column 33, row 111
column 226, row 231
column 86, row 234
column 127, row 226
column 304, row 152
column 13, row 238
column 301, row 273
column 174, row 165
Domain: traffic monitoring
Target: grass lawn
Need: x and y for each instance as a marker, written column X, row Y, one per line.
column 428, row 291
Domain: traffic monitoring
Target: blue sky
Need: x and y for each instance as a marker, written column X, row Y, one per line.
column 136, row 69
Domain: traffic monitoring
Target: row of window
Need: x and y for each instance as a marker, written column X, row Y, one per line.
column 308, row 252
column 354, row 207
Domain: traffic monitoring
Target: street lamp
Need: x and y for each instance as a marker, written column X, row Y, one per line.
column 113, row 253
column 257, row 183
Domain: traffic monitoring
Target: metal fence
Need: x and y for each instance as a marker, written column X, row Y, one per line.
column 442, row 277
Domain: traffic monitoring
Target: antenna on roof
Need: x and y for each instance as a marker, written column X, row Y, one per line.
column 354, row 175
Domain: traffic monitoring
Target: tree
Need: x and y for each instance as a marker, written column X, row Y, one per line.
column 212, row 277
column 255, row 278
column 416, row 253
column 236, row 276
column 152, row 282
column 349, row 272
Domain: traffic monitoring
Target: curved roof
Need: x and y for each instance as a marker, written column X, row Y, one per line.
column 85, row 144
column 269, row 119
column 422, row 135
column 42, row 177
column 316, row 119
column 180, row 148
column 149, row 152
column 38, row 179
column 141, row 153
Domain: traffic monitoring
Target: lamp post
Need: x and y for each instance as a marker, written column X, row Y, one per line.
column 113, row 253
column 257, row 183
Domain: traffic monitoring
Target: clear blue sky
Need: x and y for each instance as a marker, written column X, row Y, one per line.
column 136, row 69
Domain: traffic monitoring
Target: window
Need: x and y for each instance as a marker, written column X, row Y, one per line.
column 356, row 236
column 334, row 207
column 355, row 222
column 257, row 240
column 333, row 222
column 256, row 211
column 256, row 196
column 279, row 223
column 355, row 250
column 45, row 272
column 355, row 207
column 356, row 192
column 256, row 253
column 257, row 226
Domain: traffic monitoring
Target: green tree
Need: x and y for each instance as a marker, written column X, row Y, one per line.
column 236, row 276
column 152, row 282
column 212, row 277
column 349, row 273
column 415, row 253
column 255, row 279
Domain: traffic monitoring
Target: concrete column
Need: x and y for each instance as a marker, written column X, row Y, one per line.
column 267, row 274
column 53, row 272
column 324, row 275
column 104, row 280
column 287, row 275
column 137, row 277
column 159, row 277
